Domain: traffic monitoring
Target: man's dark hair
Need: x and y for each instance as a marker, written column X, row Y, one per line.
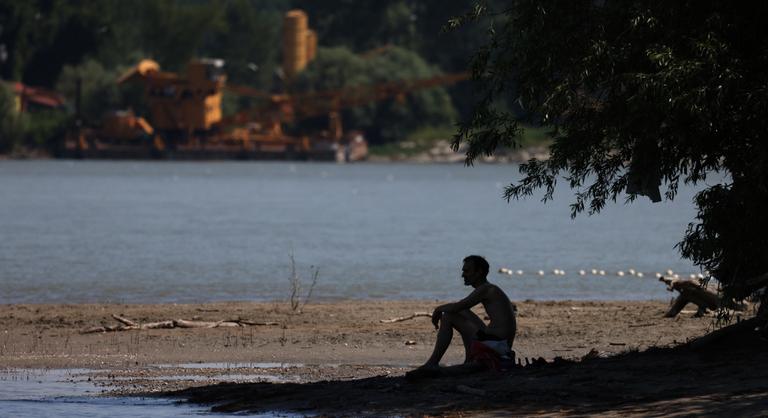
column 479, row 263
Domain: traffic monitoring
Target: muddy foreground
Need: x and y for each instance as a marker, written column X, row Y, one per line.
column 340, row 359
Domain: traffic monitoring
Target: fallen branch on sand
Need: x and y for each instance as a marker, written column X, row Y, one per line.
column 128, row 324
column 405, row 318
column 693, row 292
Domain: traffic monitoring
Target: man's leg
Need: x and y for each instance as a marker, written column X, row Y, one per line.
column 466, row 322
column 467, row 337
column 511, row 338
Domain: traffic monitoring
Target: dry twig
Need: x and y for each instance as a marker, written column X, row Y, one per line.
column 405, row 318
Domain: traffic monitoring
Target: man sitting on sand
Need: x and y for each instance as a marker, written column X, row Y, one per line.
column 481, row 341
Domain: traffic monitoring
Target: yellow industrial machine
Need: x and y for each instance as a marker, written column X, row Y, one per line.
column 177, row 103
column 186, row 113
column 186, row 120
column 184, row 108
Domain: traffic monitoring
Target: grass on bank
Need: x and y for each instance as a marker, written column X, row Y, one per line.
column 426, row 138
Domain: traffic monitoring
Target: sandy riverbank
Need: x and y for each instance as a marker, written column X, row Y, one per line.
column 341, row 332
column 342, row 341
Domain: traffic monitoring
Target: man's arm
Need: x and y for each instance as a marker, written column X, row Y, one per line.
column 471, row 300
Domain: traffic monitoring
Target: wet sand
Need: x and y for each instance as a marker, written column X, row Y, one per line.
column 344, row 346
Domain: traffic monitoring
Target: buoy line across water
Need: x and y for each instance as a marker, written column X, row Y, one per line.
column 601, row 272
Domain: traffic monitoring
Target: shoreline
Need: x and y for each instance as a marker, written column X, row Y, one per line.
column 348, row 332
column 615, row 357
column 315, row 301
column 440, row 153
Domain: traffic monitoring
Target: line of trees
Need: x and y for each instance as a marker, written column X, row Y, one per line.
column 50, row 43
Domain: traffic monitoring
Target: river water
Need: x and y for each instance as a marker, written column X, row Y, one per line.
column 88, row 231
column 72, row 393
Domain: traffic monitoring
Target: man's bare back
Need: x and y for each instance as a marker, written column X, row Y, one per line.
column 500, row 311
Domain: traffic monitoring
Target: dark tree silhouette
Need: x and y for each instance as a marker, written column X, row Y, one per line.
column 640, row 95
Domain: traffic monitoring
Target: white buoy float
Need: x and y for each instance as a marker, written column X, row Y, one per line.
column 519, row 272
column 620, row 273
column 601, row 272
column 582, row 272
column 639, row 274
column 541, row 272
column 632, row 271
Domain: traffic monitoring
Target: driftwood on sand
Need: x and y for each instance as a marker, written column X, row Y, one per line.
column 128, row 324
column 692, row 291
column 405, row 318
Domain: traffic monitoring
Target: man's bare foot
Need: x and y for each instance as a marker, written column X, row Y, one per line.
column 423, row 372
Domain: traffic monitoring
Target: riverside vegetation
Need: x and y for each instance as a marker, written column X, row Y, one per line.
column 53, row 45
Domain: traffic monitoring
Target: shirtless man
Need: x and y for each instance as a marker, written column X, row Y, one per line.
column 499, row 331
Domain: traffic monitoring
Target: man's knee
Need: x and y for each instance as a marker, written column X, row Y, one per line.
column 450, row 317
column 456, row 319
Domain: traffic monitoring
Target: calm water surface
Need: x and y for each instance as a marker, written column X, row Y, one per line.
column 80, row 231
column 42, row 393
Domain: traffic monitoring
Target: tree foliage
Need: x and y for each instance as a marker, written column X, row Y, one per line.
column 98, row 88
column 246, row 40
column 416, row 25
column 46, row 42
column 639, row 94
column 9, row 119
column 41, row 36
column 26, row 130
column 389, row 120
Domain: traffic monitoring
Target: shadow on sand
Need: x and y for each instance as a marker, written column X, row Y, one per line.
column 729, row 377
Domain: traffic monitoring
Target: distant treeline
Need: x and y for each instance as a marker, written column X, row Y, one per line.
column 51, row 43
